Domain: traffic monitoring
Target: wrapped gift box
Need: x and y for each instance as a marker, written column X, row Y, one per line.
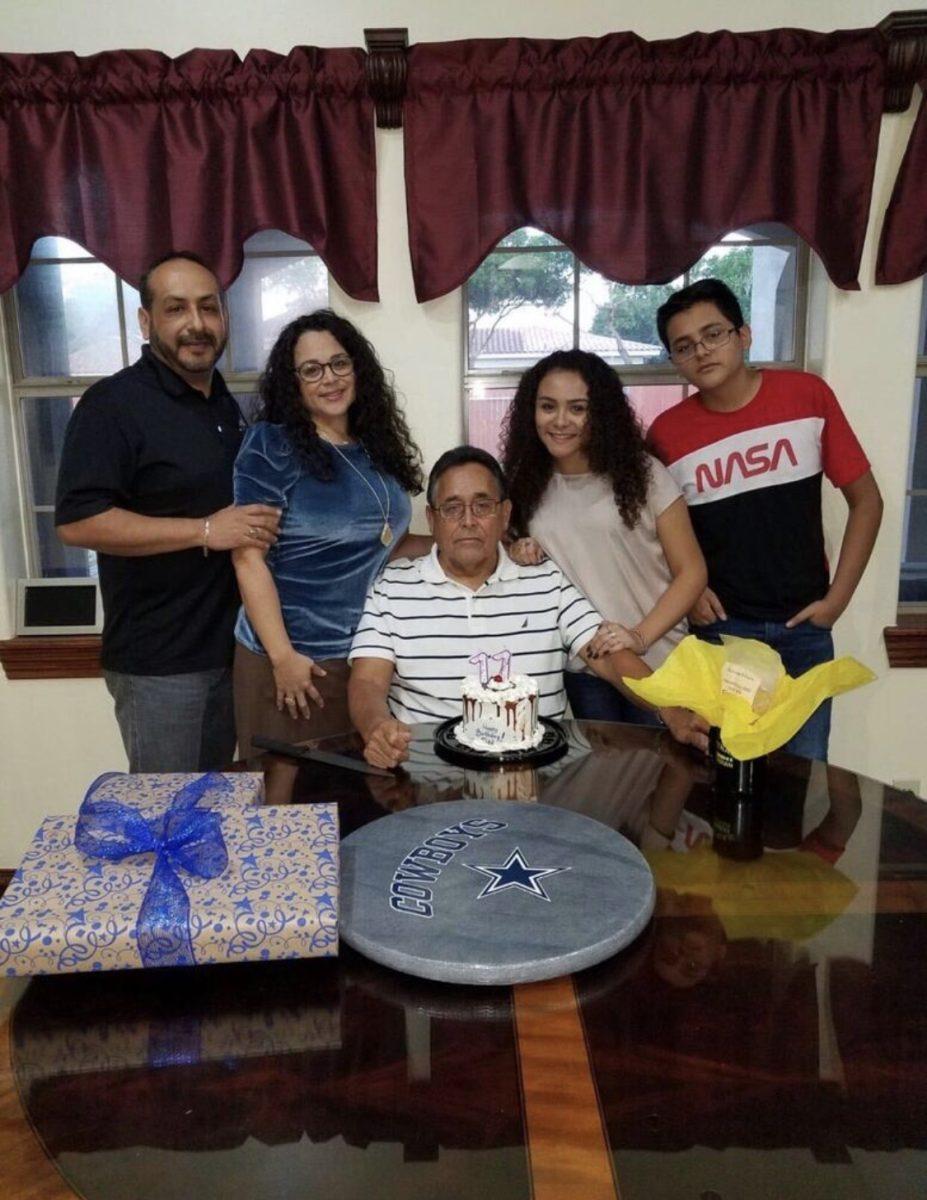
column 276, row 897
column 153, row 795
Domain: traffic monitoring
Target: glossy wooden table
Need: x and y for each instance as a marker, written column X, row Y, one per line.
column 765, row 1037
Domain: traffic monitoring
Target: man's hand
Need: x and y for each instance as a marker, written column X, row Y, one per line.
column 707, row 609
column 820, row 613
column 387, row 743
column 527, row 552
column 242, row 525
column 293, row 677
column 686, row 727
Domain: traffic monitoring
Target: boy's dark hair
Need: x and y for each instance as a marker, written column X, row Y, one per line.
column 459, row 457
column 712, row 291
column 144, row 284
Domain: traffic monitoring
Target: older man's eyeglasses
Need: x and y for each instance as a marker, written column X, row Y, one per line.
column 711, row 339
column 481, row 508
column 313, row 372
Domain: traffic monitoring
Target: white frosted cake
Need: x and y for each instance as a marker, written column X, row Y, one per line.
column 500, row 715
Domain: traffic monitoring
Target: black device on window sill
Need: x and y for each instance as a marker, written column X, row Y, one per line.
column 55, row 606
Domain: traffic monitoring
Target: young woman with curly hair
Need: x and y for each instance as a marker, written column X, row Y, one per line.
column 332, row 450
column 585, row 491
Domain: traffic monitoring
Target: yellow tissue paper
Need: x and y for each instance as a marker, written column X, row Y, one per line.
column 691, row 675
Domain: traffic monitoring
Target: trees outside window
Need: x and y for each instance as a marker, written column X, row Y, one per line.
column 531, row 296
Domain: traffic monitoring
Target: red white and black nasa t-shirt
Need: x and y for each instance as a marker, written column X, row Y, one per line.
column 752, row 480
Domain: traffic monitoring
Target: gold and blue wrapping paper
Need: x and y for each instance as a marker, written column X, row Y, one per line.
column 153, row 794
column 690, row 677
column 269, row 889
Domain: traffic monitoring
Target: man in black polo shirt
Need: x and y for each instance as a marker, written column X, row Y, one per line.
column 146, row 481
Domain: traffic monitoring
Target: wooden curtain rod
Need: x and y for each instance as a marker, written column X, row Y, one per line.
column 906, row 64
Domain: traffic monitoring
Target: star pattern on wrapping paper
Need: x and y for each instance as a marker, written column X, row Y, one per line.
column 515, row 873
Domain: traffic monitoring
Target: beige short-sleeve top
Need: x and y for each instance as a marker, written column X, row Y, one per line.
column 622, row 571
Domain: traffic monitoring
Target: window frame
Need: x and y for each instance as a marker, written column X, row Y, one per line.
column 906, row 640
column 640, row 374
column 21, row 388
column 915, row 610
column 633, row 375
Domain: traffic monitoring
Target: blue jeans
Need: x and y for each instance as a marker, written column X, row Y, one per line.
column 175, row 722
column 594, row 699
column 800, row 649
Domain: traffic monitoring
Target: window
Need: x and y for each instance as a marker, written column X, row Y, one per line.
column 531, row 295
column 912, row 588
column 70, row 320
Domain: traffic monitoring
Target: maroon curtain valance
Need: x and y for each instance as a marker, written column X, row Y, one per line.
column 131, row 154
column 903, row 246
column 638, row 155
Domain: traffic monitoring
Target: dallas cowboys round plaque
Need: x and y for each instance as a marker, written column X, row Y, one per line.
column 491, row 892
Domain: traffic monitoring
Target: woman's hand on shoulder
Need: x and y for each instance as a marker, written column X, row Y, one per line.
column 293, row 676
column 527, row 552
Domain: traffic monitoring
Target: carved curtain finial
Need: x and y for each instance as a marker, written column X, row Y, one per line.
column 906, row 61
column 386, row 73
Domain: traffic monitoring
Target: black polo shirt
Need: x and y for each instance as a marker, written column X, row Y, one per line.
column 146, row 441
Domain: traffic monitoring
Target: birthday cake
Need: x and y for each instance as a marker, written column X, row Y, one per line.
column 499, row 715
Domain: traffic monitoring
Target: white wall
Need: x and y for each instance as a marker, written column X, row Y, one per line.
column 57, row 735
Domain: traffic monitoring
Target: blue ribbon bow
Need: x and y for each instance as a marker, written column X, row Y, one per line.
column 184, row 837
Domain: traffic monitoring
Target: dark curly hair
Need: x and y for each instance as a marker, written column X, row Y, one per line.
column 615, row 447
column 374, row 418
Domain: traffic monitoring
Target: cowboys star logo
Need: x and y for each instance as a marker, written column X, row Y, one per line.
column 515, row 873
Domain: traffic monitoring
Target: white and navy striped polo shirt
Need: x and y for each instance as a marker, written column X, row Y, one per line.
column 429, row 626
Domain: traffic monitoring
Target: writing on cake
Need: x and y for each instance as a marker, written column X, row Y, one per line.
column 500, row 714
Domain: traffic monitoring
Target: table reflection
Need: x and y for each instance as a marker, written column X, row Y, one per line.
column 771, row 1015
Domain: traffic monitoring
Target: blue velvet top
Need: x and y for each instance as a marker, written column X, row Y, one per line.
column 328, row 547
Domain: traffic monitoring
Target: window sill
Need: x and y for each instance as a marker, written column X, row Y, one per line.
column 78, row 656
column 63, row 657
column 906, row 642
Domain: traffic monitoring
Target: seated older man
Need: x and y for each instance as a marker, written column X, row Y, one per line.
column 424, row 619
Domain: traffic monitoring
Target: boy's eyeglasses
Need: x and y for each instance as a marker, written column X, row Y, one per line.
column 711, row 339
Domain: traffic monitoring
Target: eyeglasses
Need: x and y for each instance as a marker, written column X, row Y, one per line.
column 481, row 508
column 313, row 372
column 711, row 339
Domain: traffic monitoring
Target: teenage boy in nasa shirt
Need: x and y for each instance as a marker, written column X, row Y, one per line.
column 748, row 450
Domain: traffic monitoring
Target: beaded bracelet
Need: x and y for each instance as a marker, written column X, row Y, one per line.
column 205, row 537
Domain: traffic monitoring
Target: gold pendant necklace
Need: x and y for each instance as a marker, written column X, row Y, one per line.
column 386, row 534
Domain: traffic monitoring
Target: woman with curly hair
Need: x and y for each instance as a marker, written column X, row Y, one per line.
column 332, row 450
column 585, row 491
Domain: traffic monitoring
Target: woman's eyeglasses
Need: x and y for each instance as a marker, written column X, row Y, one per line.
column 313, row 372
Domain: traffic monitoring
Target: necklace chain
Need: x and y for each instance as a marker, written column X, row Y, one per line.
column 386, row 534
